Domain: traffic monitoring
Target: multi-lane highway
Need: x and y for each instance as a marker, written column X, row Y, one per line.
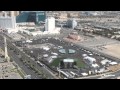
column 20, row 64
column 26, row 57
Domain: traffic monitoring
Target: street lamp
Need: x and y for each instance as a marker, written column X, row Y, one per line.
column 38, row 56
column 59, row 70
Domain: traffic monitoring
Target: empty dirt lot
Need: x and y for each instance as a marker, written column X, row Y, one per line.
column 113, row 50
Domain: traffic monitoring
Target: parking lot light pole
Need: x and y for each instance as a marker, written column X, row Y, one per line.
column 59, row 70
column 38, row 57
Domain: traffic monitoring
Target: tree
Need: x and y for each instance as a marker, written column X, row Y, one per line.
column 62, row 64
column 33, row 65
column 28, row 61
column 11, row 60
column 68, row 65
column 75, row 63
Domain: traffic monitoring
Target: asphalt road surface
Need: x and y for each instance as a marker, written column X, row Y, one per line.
column 44, row 70
column 20, row 64
column 113, row 75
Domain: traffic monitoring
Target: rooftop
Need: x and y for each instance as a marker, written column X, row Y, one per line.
column 68, row 60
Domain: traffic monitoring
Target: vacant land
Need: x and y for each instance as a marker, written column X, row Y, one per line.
column 113, row 50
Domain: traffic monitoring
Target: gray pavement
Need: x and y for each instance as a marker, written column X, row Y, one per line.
column 21, row 65
column 26, row 57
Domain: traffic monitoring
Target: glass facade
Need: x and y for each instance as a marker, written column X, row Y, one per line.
column 36, row 17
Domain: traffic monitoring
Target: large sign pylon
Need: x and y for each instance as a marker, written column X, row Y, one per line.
column 6, row 52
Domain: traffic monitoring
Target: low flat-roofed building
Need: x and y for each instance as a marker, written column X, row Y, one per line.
column 45, row 55
column 84, row 74
column 63, row 51
column 101, row 70
column 49, row 59
column 103, row 62
column 74, row 37
column 71, row 51
column 95, row 65
column 113, row 63
column 54, row 57
column 90, row 60
column 68, row 60
column 68, row 63
column 54, row 53
column 46, row 48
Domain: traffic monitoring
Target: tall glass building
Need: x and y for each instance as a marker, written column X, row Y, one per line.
column 31, row 16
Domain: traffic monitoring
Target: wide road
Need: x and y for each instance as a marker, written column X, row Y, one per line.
column 44, row 70
column 114, row 76
column 90, row 77
column 28, row 58
column 20, row 64
column 110, row 75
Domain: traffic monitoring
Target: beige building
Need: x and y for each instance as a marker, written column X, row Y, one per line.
column 73, row 15
column 1, row 13
column 61, row 16
column 13, row 13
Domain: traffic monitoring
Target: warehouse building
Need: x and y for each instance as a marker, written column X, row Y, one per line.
column 90, row 60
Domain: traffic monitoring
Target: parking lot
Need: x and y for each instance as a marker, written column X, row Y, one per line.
column 51, row 51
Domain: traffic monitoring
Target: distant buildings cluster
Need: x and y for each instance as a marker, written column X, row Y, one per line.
column 9, row 13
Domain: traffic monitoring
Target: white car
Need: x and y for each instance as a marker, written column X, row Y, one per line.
column 90, row 54
column 54, row 53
